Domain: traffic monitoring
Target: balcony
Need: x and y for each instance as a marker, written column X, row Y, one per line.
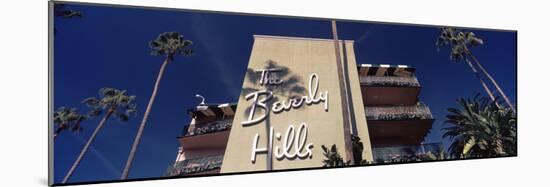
column 423, row 152
column 201, row 165
column 389, row 90
column 398, row 125
column 389, row 81
column 211, row 135
column 211, row 127
column 419, row 111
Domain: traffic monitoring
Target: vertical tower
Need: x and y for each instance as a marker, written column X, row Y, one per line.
column 299, row 75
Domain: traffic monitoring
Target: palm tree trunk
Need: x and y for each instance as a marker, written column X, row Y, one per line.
column 343, row 97
column 85, row 149
column 485, row 87
column 500, row 147
column 144, row 121
column 492, row 80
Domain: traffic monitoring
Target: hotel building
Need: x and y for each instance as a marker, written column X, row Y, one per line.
column 315, row 106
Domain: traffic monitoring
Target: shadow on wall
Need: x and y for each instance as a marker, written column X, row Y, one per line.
column 283, row 83
column 292, row 87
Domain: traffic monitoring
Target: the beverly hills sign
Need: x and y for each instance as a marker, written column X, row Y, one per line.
column 288, row 108
column 294, row 140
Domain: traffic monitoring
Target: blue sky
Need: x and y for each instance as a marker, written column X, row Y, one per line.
column 108, row 47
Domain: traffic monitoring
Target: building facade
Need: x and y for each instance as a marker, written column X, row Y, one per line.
column 203, row 142
column 397, row 120
column 299, row 95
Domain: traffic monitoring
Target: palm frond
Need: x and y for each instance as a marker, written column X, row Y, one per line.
column 68, row 119
column 459, row 42
column 169, row 44
column 117, row 101
column 479, row 128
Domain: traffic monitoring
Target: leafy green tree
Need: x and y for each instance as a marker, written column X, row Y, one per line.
column 460, row 43
column 358, row 147
column 431, row 155
column 417, row 157
column 67, row 119
column 111, row 102
column 479, row 128
column 168, row 45
column 333, row 158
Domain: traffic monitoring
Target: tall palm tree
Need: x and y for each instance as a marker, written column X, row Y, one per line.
column 61, row 10
column 167, row 44
column 479, row 128
column 461, row 42
column 112, row 102
column 67, row 119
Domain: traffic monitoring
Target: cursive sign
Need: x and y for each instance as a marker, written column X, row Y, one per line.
column 260, row 99
column 292, row 139
column 293, row 143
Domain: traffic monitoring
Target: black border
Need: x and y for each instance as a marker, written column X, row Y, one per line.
column 50, row 87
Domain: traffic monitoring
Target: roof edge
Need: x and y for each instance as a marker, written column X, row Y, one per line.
column 295, row 38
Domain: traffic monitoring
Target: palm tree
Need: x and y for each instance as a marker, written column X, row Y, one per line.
column 61, row 10
column 479, row 128
column 167, row 44
column 67, row 119
column 112, row 102
column 461, row 42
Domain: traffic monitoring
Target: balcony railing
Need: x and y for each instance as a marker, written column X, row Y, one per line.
column 211, row 127
column 197, row 165
column 423, row 152
column 419, row 111
column 389, row 81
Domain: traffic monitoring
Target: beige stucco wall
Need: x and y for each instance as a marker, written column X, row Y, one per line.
column 357, row 101
column 302, row 57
